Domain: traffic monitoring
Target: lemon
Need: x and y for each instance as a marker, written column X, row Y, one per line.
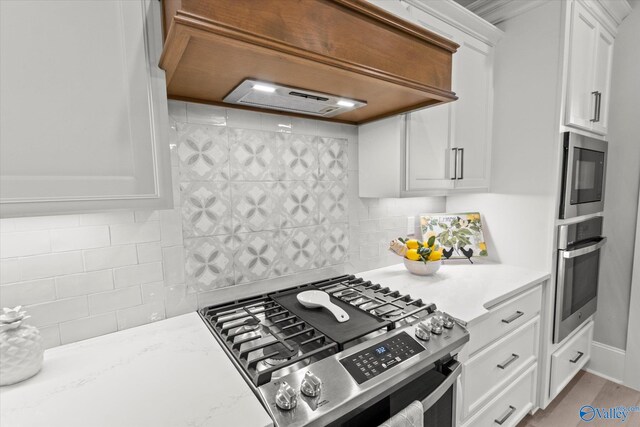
column 435, row 256
column 412, row 254
column 412, row 244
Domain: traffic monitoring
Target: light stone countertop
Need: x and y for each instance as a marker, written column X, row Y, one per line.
column 168, row 373
column 463, row 290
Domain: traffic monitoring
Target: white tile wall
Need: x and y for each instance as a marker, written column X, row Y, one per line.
column 85, row 275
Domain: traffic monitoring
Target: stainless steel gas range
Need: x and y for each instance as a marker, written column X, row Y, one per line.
column 308, row 369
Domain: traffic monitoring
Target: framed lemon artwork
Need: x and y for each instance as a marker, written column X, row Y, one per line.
column 458, row 234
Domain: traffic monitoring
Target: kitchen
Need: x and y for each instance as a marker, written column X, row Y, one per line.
column 183, row 183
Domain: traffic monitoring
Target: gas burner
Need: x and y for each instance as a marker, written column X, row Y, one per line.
column 283, row 355
column 248, row 327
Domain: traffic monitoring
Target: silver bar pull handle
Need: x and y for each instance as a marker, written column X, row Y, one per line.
column 461, row 151
column 513, row 317
column 509, row 361
column 599, row 99
column 455, row 164
column 575, row 359
column 506, row 416
column 595, row 106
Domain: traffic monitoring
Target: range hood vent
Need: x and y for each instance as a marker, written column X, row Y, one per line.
column 253, row 93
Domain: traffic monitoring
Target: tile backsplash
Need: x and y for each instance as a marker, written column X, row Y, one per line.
column 260, row 201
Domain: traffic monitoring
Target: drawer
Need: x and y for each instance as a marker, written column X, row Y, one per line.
column 510, row 406
column 570, row 358
column 491, row 369
column 504, row 318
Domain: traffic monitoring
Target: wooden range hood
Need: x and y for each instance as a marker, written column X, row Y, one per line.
column 348, row 48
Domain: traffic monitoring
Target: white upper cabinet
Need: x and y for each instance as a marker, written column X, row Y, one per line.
column 446, row 148
column 83, row 120
column 589, row 76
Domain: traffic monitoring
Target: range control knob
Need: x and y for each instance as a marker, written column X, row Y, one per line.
column 423, row 331
column 448, row 322
column 311, row 385
column 286, row 397
column 436, row 325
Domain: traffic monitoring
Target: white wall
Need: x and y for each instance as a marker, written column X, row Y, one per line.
column 623, row 179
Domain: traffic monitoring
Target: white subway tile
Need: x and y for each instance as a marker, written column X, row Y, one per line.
column 25, row 293
column 58, row 311
column 141, row 315
column 25, row 243
column 206, row 115
column 114, row 300
column 152, row 292
column 9, row 271
column 149, row 252
column 275, row 123
column 175, row 179
column 369, row 251
column 178, row 111
column 178, row 301
column 70, row 239
column 141, row 232
column 7, row 225
column 138, row 274
column 352, row 157
column 84, row 283
column 45, row 222
column 50, row 336
column 171, row 227
column 144, row 216
column 106, row 218
column 243, row 119
column 304, row 126
column 88, row 327
column 58, row 264
column 173, row 264
column 113, row 256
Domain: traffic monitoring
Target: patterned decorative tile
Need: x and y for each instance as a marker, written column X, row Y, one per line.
column 297, row 156
column 301, row 250
column 334, row 243
column 332, row 158
column 206, row 208
column 333, row 202
column 208, row 263
column 203, row 153
column 258, row 256
column 253, row 155
column 256, row 206
column 299, row 204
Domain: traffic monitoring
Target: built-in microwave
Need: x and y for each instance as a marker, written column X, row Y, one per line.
column 583, row 177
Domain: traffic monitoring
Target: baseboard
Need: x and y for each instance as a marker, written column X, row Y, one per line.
column 606, row 362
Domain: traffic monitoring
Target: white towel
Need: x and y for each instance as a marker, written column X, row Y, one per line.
column 411, row 416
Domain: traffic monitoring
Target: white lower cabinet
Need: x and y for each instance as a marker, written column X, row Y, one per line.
column 570, row 358
column 499, row 375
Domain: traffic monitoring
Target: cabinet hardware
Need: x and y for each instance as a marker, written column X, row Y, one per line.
column 599, row 99
column 455, row 164
column 596, row 106
column 513, row 317
column 509, row 361
column 504, row 418
column 575, row 360
column 461, row 151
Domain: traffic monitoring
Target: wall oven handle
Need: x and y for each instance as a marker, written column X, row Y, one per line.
column 506, row 416
column 435, row 396
column 584, row 251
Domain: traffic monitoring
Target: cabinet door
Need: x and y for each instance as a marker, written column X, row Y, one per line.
column 580, row 102
column 428, row 151
column 602, row 79
column 83, row 107
column 472, row 80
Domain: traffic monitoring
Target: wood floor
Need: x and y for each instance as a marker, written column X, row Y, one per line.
column 586, row 389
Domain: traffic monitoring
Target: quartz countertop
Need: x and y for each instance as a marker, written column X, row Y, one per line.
column 463, row 290
column 169, row 373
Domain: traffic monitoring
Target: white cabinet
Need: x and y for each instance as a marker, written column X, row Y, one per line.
column 589, row 73
column 442, row 149
column 83, row 121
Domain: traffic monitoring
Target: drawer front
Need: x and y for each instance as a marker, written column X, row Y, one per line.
column 570, row 358
column 505, row 318
column 491, row 369
column 510, row 406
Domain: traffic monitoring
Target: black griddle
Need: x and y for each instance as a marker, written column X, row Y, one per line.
column 360, row 322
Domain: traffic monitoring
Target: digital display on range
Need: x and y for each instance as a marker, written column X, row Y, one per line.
column 381, row 350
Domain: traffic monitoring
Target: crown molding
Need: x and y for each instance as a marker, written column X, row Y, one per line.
column 610, row 13
column 459, row 17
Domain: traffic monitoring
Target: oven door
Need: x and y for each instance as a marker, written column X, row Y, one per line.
column 577, row 286
column 585, row 162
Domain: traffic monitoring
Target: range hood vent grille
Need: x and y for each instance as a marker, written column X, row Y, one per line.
column 257, row 94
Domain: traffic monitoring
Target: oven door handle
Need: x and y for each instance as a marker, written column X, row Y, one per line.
column 584, row 251
column 435, row 396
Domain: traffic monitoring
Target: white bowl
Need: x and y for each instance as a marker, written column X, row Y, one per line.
column 420, row 268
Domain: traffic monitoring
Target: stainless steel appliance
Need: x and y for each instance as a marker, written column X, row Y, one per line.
column 583, row 178
column 308, row 369
column 579, row 248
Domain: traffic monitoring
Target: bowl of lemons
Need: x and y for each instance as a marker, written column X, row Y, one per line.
column 422, row 258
